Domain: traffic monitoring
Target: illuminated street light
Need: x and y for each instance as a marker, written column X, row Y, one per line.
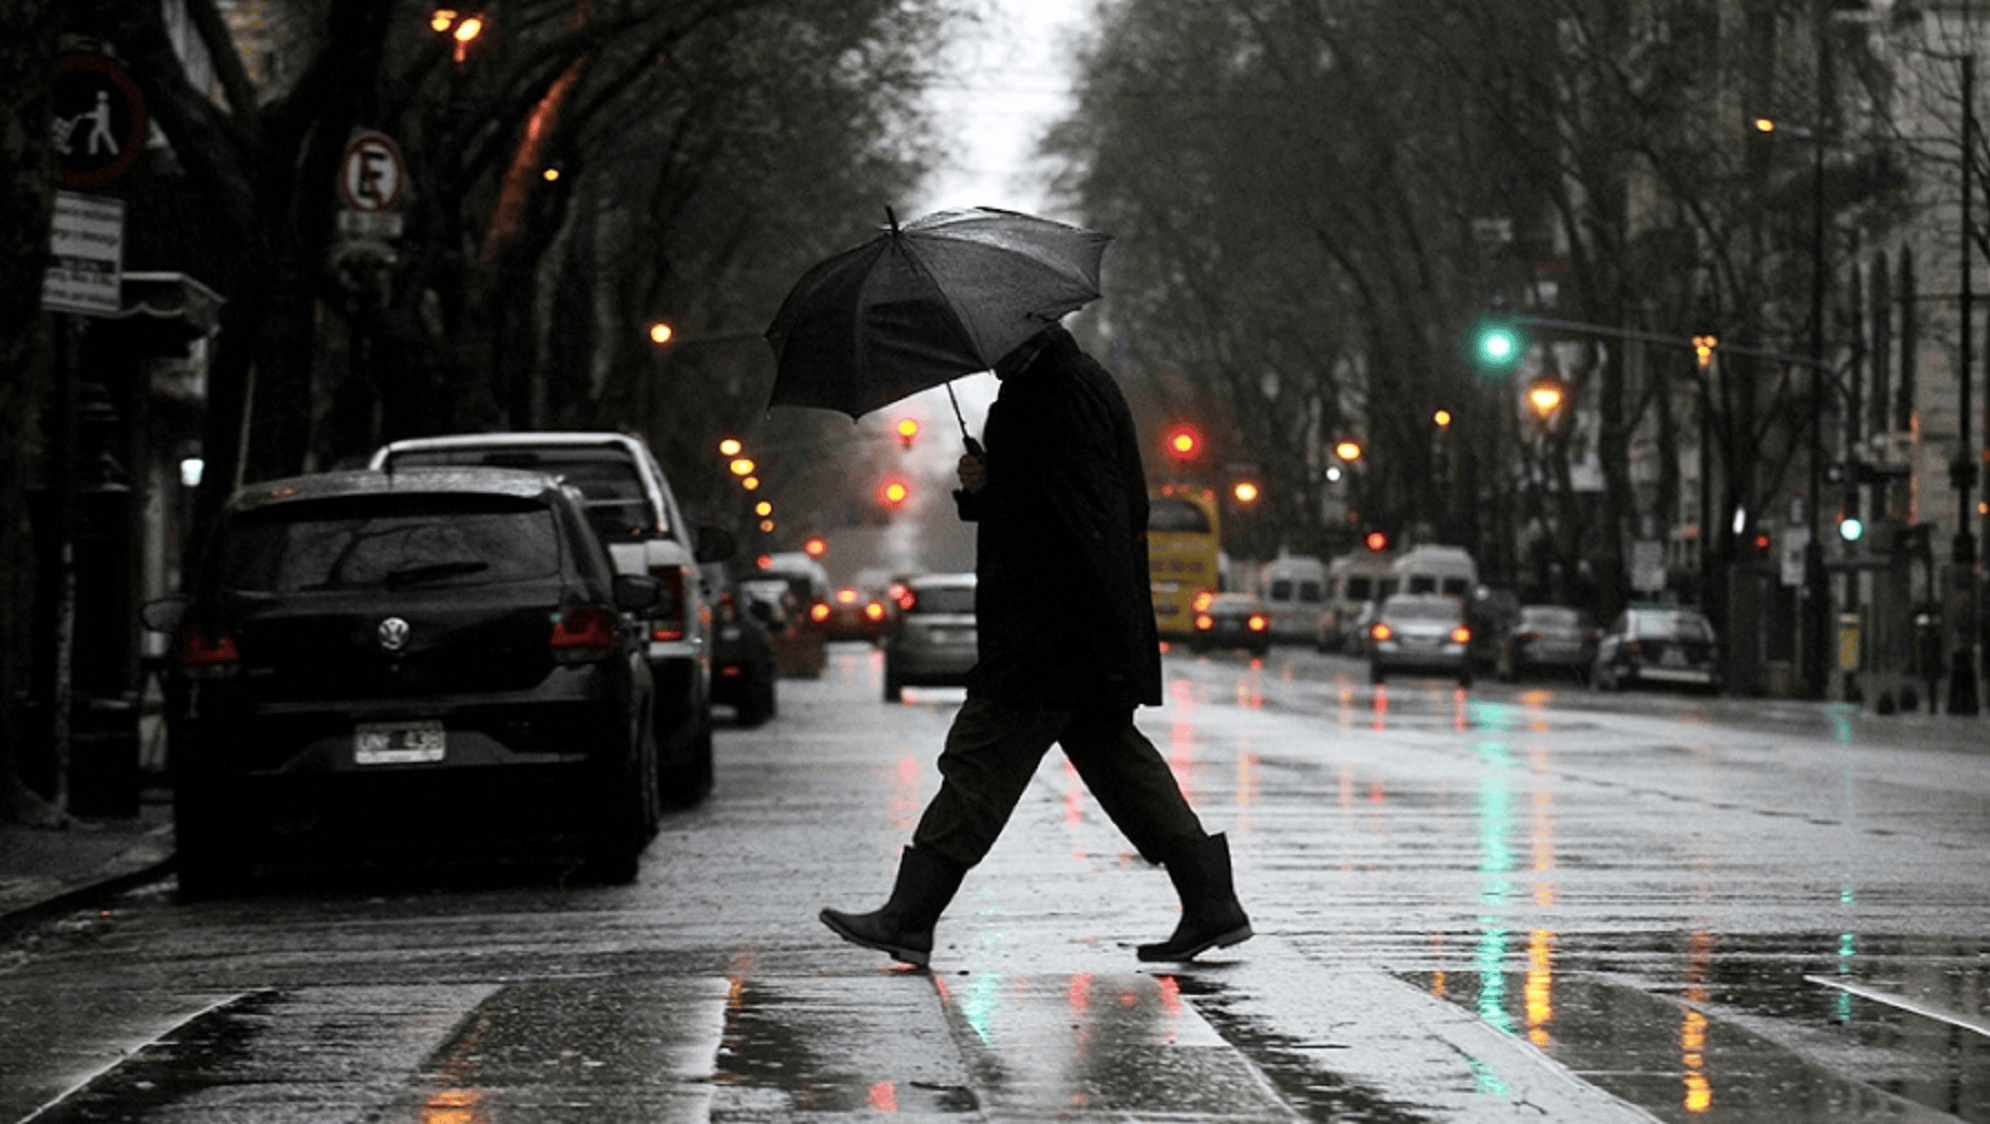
column 742, row 466
column 730, row 447
column 1348, row 450
column 660, row 332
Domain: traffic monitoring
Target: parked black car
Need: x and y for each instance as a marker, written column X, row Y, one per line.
column 446, row 657
column 1658, row 644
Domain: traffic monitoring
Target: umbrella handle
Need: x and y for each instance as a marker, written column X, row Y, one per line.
column 973, row 446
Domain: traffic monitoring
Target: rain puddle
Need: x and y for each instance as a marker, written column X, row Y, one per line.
column 1813, row 1028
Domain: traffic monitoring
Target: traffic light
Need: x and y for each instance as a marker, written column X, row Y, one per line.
column 1184, row 443
column 1441, row 418
column 660, row 332
column 1244, row 492
column 816, row 546
column 893, row 493
column 1376, row 541
column 908, row 428
column 1496, row 345
column 1348, row 450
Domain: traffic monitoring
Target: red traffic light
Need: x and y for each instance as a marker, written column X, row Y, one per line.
column 908, row 428
column 1184, row 442
column 816, row 546
column 893, row 493
column 1377, row 540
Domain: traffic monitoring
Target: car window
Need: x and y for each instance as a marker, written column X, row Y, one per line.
column 1309, row 591
column 1360, row 589
column 942, row 599
column 1675, row 626
column 1421, row 611
column 389, row 543
column 617, row 505
column 1553, row 618
column 1281, row 589
column 1177, row 515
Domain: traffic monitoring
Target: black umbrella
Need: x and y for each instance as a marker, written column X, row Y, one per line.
column 921, row 304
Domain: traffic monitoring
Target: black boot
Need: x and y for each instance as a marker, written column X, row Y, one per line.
column 904, row 927
column 1211, row 914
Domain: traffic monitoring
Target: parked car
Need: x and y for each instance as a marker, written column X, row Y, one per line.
column 855, row 613
column 933, row 642
column 807, row 580
column 797, row 642
column 1658, row 644
column 1547, row 637
column 366, row 658
column 743, row 663
column 1420, row 632
column 631, row 506
column 1233, row 620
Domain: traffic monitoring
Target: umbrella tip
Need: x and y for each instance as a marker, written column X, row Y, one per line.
column 893, row 218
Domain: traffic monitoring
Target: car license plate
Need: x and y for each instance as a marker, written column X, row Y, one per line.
column 1672, row 657
column 398, row 743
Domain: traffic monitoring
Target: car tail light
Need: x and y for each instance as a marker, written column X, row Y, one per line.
column 728, row 607
column 1461, row 635
column 819, row 612
column 1259, row 622
column 668, row 618
column 906, row 600
column 874, row 611
column 847, row 596
column 1380, row 631
column 1204, row 622
column 209, row 653
column 585, row 633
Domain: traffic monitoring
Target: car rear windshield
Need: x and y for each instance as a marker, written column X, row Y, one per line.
column 1173, row 515
column 1674, row 626
column 392, row 542
column 1422, row 611
column 1553, row 618
column 606, row 477
column 943, row 599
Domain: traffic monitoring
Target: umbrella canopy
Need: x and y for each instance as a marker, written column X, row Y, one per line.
column 924, row 303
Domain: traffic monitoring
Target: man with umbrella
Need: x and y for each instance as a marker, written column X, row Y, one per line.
column 1065, row 619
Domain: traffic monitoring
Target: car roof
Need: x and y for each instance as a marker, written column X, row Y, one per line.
column 412, row 481
column 921, row 580
column 532, row 439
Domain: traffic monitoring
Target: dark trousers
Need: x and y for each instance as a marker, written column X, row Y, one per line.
column 993, row 750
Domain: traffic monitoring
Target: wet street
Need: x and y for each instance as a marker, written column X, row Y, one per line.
column 1513, row 903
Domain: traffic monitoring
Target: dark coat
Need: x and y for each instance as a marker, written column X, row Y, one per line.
column 1063, row 607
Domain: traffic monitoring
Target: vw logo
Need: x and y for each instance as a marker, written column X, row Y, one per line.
column 393, row 634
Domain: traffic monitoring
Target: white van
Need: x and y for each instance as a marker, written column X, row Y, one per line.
column 1356, row 584
column 1449, row 570
column 1293, row 588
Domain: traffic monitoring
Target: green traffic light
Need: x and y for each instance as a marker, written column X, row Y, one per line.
column 1499, row 346
column 1851, row 529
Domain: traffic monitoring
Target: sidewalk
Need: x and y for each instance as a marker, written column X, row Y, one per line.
column 47, row 871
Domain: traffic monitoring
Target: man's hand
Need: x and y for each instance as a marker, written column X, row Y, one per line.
column 973, row 473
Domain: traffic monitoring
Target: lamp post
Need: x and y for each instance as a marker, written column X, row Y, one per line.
column 1816, row 617
column 1962, row 664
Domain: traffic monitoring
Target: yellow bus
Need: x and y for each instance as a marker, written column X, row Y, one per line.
column 1182, row 554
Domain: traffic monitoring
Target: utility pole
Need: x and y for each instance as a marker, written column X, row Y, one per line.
column 1962, row 664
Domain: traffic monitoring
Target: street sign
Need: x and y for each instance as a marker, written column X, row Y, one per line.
column 372, row 173
column 1794, row 542
column 1648, row 565
column 87, row 242
column 99, row 125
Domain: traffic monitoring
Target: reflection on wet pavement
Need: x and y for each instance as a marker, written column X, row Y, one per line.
column 1100, row 1044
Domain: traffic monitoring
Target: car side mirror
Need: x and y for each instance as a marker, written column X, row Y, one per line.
column 164, row 615
column 636, row 592
column 715, row 544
